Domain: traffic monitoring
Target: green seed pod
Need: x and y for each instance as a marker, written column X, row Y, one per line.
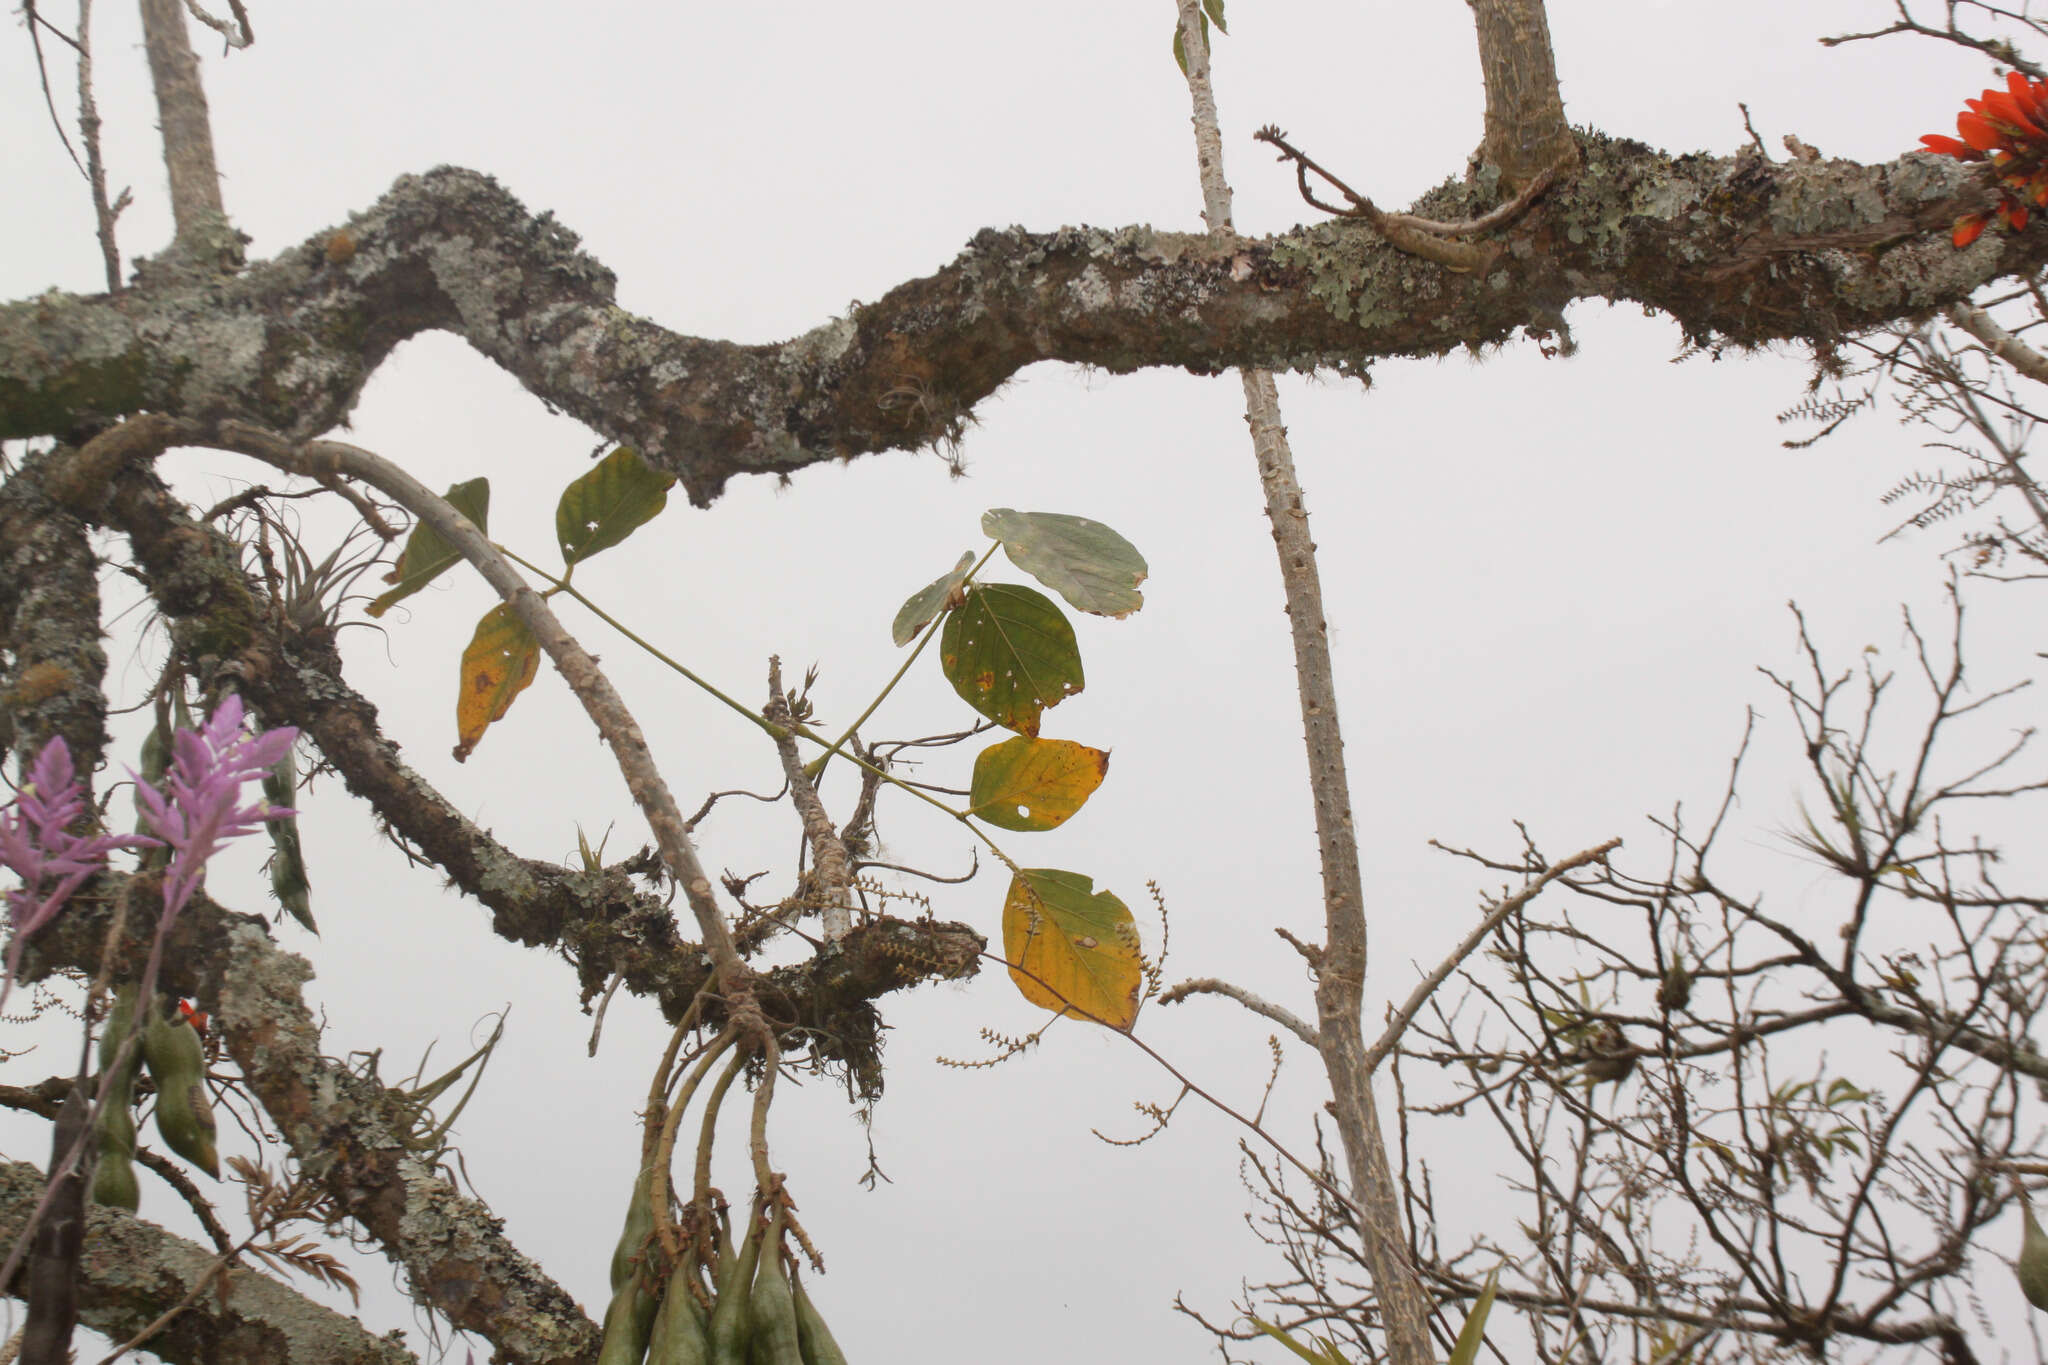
column 113, row 1180
column 156, row 761
column 628, row 1325
column 288, row 858
column 731, row 1316
column 184, row 1115
column 2033, row 1263
column 679, row 1331
column 629, row 1320
column 813, row 1336
column 633, row 1237
column 771, row 1310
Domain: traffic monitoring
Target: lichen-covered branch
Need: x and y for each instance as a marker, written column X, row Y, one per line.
column 578, row 668
column 52, row 665
column 834, row 869
column 1731, row 247
column 131, row 1268
column 347, row 1130
column 293, row 676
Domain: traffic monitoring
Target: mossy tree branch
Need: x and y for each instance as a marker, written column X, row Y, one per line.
column 1730, row 247
column 131, row 1268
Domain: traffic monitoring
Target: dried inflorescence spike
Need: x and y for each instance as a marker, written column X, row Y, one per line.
column 2005, row 127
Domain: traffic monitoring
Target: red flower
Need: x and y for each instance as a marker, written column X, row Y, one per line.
column 2006, row 128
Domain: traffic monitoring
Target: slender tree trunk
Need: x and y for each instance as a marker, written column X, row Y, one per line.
column 187, row 126
column 1340, row 988
column 1526, row 132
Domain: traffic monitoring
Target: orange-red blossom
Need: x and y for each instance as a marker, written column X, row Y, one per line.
column 2004, row 127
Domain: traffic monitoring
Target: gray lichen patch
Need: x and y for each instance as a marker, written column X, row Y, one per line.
column 468, row 276
column 1926, row 178
column 1338, row 259
column 1826, row 197
column 1090, row 290
column 821, row 347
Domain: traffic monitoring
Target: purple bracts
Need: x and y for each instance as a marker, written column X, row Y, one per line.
column 37, row 845
column 199, row 808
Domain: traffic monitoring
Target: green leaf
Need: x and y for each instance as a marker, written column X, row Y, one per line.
column 1010, row 653
column 1473, row 1333
column 1213, row 10
column 1034, row 784
column 1071, row 946
column 613, row 499
column 426, row 554
column 1091, row 566
column 1327, row 1355
column 928, row 601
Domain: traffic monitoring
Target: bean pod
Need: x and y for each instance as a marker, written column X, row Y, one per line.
column 814, row 1337
column 772, row 1311
column 680, row 1329
column 731, row 1315
column 113, row 1180
column 184, row 1116
column 629, row 1320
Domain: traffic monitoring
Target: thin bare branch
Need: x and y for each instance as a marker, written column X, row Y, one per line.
column 1506, row 906
column 1279, row 1014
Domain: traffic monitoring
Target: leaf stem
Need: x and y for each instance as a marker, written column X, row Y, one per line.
column 818, row 763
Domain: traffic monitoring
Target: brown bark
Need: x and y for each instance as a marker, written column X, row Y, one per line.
column 1403, row 1304
column 1526, row 132
column 130, row 1270
column 1735, row 249
column 187, row 126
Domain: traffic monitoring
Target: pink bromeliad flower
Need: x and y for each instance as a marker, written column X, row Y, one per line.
column 199, row 808
column 197, row 812
column 37, row 845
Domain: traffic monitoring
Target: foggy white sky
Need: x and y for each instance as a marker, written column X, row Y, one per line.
column 1549, row 581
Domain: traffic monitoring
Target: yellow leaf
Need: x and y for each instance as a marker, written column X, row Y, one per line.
column 500, row 661
column 1030, row 784
column 1072, row 948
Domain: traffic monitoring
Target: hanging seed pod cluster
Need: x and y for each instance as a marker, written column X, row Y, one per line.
column 688, row 1287
column 171, row 1048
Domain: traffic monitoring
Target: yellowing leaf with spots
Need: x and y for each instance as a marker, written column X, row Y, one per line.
column 1072, row 948
column 500, row 661
column 1010, row 653
column 1034, row 784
